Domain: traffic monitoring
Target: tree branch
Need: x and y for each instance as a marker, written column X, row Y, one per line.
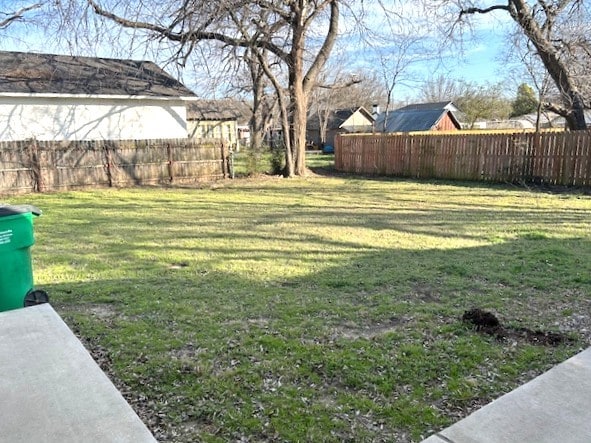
column 188, row 36
column 353, row 81
column 483, row 10
column 557, row 109
column 18, row 15
column 326, row 48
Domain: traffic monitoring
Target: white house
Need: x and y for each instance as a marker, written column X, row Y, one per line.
column 324, row 126
column 58, row 97
column 219, row 119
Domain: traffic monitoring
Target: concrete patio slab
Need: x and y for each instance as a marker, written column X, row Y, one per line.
column 554, row 407
column 51, row 390
column 435, row 439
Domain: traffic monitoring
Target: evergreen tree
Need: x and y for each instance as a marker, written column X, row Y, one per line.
column 526, row 101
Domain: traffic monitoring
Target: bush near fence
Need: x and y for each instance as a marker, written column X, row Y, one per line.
column 33, row 165
column 557, row 158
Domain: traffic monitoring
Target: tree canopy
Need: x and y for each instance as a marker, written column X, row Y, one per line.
column 525, row 102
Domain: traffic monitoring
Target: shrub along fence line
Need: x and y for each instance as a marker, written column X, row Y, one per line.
column 558, row 158
column 37, row 166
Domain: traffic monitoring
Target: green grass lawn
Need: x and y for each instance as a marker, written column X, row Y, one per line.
column 317, row 309
column 248, row 164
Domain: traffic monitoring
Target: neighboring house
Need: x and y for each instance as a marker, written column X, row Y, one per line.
column 441, row 116
column 547, row 119
column 219, row 119
column 59, row 97
column 340, row 121
column 528, row 121
column 517, row 123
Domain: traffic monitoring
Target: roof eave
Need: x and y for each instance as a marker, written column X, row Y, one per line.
column 208, row 119
column 97, row 96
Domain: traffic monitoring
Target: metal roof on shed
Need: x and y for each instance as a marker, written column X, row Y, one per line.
column 416, row 117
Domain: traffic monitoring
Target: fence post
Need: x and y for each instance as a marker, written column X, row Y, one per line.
column 231, row 163
column 224, row 161
column 35, row 163
column 170, row 162
column 108, row 164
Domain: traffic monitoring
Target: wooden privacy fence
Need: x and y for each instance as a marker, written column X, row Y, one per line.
column 559, row 158
column 33, row 165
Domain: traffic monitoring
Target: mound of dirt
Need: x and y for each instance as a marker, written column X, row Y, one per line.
column 487, row 323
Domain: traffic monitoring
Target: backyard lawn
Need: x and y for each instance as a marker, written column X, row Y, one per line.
column 317, row 309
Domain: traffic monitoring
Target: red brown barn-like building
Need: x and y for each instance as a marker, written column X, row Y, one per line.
column 440, row 116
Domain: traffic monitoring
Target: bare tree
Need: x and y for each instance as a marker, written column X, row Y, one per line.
column 478, row 102
column 540, row 78
column 440, row 88
column 264, row 104
column 278, row 33
column 558, row 31
column 340, row 88
column 395, row 52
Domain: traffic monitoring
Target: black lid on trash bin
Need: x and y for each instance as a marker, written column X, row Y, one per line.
column 7, row 210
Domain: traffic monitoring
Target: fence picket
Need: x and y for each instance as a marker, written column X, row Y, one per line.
column 562, row 158
column 31, row 165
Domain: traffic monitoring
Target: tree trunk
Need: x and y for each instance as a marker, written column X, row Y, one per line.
column 523, row 15
column 298, row 103
column 299, row 135
column 256, row 122
column 287, row 139
column 256, row 136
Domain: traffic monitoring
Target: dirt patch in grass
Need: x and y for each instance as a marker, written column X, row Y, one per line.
column 487, row 323
column 261, row 322
column 103, row 311
column 187, row 352
column 393, row 324
column 426, row 293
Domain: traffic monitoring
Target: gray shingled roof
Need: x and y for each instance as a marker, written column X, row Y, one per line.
column 417, row 117
column 28, row 73
column 435, row 106
column 225, row 109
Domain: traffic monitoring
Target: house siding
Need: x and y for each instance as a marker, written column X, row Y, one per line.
column 61, row 118
column 445, row 124
column 213, row 129
column 357, row 123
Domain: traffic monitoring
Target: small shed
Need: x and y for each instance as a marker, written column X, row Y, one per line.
column 60, row 97
column 440, row 116
column 321, row 130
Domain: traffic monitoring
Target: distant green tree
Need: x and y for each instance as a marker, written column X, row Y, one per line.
column 526, row 101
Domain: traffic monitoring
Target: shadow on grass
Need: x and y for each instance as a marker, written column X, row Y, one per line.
column 328, row 170
column 370, row 347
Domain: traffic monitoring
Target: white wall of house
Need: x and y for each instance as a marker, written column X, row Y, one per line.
column 357, row 122
column 96, row 118
column 214, row 129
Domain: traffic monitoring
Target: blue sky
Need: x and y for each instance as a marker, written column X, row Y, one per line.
column 477, row 61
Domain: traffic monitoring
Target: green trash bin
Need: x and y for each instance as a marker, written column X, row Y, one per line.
column 16, row 273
